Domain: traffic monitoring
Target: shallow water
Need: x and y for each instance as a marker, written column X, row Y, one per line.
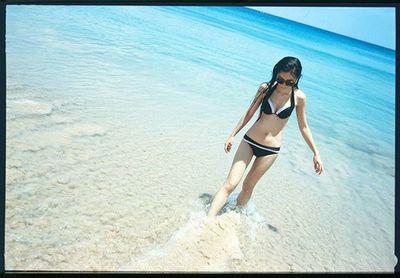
column 116, row 120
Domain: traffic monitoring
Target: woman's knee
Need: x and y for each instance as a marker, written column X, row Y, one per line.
column 230, row 185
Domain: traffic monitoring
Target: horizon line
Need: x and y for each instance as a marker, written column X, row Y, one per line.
column 311, row 26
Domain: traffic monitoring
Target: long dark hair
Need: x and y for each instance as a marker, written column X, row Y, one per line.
column 286, row 64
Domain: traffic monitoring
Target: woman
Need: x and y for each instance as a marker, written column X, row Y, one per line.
column 277, row 98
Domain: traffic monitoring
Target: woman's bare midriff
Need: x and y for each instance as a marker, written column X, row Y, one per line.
column 268, row 130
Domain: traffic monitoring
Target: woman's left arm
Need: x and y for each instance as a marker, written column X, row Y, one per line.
column 305, row 130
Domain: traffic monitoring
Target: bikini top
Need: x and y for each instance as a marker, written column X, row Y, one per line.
column 268, row 107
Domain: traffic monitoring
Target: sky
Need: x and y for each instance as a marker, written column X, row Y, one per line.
column 376, row 25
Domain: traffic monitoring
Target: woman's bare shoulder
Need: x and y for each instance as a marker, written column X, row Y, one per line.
column 300, row 96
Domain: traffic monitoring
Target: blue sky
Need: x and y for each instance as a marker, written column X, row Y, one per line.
column 375, row 25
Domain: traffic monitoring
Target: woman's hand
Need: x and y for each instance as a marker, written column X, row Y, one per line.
column 318, row 166
column 228, row 144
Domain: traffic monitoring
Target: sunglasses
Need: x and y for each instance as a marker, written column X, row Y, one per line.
column 281, row 81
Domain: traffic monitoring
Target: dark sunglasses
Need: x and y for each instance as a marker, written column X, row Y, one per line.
column 281, row 81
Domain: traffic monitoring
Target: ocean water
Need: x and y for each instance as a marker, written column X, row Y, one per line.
column 116, row 120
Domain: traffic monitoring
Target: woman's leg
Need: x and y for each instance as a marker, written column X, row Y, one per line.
column 260, row 165
column 240, row 162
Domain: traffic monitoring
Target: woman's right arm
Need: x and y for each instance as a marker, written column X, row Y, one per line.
column 248, row 115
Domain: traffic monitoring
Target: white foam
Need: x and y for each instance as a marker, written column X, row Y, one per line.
column 200, row 244
column 253, row 220
column 197, row 245
column 25, row 107
column 84, row 129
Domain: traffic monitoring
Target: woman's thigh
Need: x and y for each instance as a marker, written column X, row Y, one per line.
column 240, row 162
column 260, row 166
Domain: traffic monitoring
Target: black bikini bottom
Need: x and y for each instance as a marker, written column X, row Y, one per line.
column 258, row 149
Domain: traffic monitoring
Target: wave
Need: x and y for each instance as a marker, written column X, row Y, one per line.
column 26, row 107
column 203, row 244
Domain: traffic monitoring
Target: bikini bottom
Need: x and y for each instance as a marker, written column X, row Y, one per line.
column 258, row 149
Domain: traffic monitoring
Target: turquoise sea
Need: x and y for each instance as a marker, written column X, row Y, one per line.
column 116, row 121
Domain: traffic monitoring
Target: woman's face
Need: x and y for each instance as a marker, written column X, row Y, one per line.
column 285, row 79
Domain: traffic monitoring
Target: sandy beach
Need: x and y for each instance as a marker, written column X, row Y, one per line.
column 114, row 145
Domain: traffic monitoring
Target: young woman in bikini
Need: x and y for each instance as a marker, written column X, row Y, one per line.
column 277, row 98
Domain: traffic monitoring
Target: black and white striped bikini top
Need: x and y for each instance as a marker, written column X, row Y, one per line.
column 268, row 107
